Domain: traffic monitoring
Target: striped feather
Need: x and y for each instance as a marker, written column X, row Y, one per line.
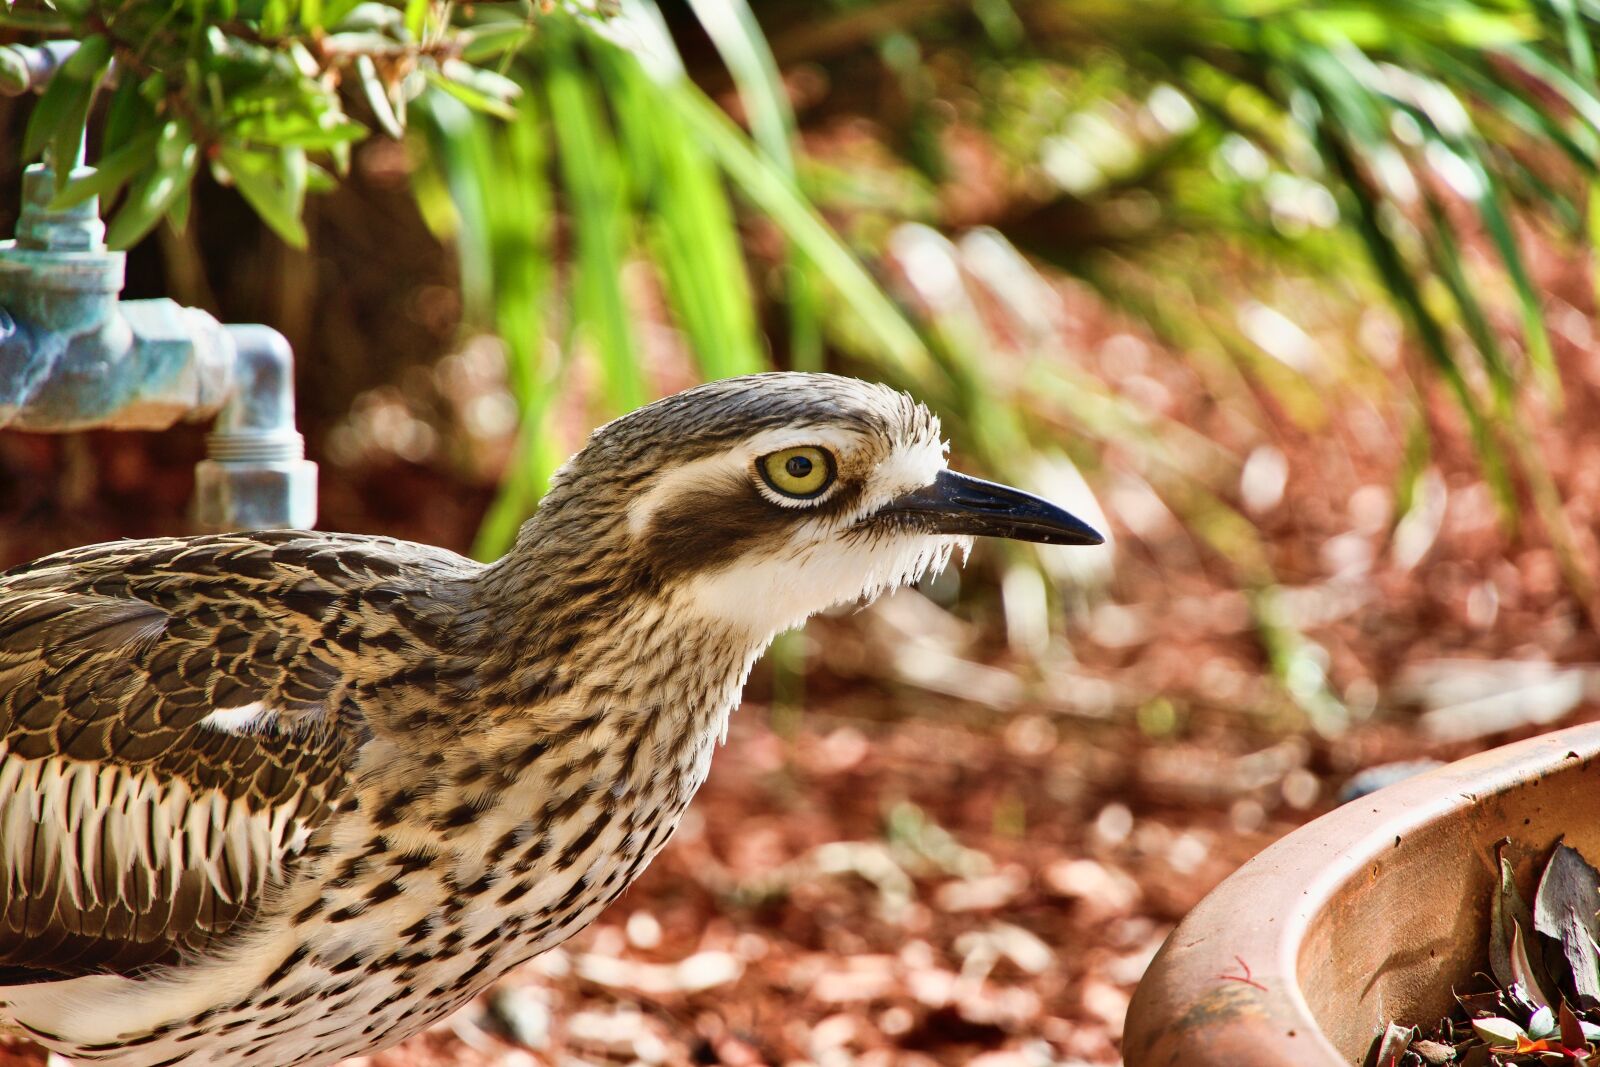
column 174, row 724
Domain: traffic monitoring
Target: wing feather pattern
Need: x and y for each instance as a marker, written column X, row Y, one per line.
column 176, row 719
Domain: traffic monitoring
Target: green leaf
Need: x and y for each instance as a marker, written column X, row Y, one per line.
column 498, row 183
column 377, row 97
column 759, row 179
column 269, row 182
column 694, row 238
column 480, row 90
column 126, row 113
column 1528, row 299
column 593, row 179
column 150, row 196
column 58, row 119
column 298, row 129
column 318, row 180
column 416, row 18
column 733, row 29
column 1403, row 288
column 494, row 40
column 111, row 173
column 178, row 213
column 1564, row 911
column 1500, row 1033
column 477, row 101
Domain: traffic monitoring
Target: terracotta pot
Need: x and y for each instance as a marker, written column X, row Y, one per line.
column 1368, row 914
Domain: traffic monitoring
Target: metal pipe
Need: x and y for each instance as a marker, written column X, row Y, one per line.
column 73, row 356
column 28, row 68
column 257, row 476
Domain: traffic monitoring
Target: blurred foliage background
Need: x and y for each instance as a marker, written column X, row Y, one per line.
column 1295, row 296
column 535, row 216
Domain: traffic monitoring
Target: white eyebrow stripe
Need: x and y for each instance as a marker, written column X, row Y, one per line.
column 733, row 462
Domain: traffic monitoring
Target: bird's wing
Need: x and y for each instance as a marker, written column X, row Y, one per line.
column 176, row 719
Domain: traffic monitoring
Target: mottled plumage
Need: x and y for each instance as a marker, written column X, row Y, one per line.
column 281, row 798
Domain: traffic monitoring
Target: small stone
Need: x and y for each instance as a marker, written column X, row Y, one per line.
column 1113, row 825
column 834, row 1032
column 522, row 1012
column 706, row 970
column 1103, row 892
column 1107, row 1003
column 983, row 893
column 643, row 930
column 896, row 1021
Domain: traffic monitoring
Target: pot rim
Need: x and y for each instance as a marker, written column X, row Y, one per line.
column 1225, row 991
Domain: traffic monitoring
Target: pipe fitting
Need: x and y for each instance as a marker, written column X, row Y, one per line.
column 74, row 357
column 256, row 475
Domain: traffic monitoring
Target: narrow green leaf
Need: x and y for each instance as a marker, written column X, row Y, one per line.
column 494, row 40
column 1477, row 75
column 1402, row 285
column 318, row 180
column 1534, row 334
column 377, row 97
column 758, row 178
column 693, row 234
column 111, row 173
column 1581, row 98
column 498, row 184
column 733, row 29
column 592, row 178
column 1446, row 256
column 83, row 71
column 471, row 96
column 58, row 119
column 90, row 60
column 266, row 181
column 149, row 197
column 178, row 213
column 1592, row 232
column 298, row 129
column 126, row 114
column 416, row 18
column 47, row 117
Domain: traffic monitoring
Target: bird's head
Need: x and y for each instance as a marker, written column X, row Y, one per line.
column 758, row 501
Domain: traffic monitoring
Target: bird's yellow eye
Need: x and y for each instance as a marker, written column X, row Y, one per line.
column 798, row 472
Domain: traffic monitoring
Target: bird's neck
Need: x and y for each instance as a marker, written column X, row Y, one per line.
column 584, row 634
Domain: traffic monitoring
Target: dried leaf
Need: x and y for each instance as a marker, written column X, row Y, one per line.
column 1572, row 1034
column 1502, row 1033
column 1564, row 910
column 1522, row 971
column 1389, row 1046
column 1506, row 908
column 1477, row 1004
column 1433, row 1053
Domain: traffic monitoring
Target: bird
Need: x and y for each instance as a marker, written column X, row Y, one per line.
column 284, row 797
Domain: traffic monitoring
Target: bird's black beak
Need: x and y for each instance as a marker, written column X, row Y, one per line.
column 957, row 504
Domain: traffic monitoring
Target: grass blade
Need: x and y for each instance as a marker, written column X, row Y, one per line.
column 592, row 179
